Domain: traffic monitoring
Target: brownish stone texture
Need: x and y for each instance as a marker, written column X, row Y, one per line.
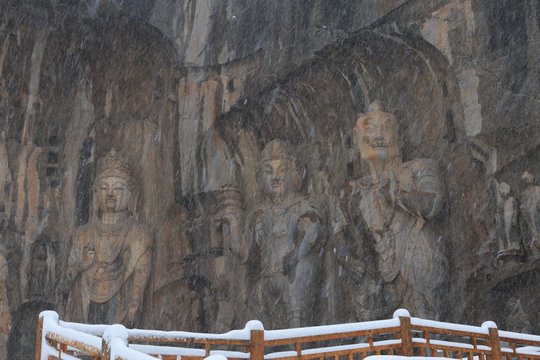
column 193, row 91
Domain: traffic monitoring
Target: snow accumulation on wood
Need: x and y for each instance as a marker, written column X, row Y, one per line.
column 164, row 335
column 243, row 334
column 397, row 357
column 444, row 343
column 51, row 326
column 89, row 338
column 449, row 326
column 172, row 350
column 328, row 329
column 92, row 329
column 520, row 336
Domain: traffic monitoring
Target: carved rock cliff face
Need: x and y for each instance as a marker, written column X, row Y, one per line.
column 192, row 92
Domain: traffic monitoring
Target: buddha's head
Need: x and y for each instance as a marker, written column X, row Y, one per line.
column 114, row 185
column 378, row 134
column 504, row 189
column 528, row 178
column 277, row 174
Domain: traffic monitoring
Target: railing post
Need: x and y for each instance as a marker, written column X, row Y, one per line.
column 406, row 336
column 39, row 338
column 44, row 318
column 111, row 338
column 495, row 343
column 257, row 345
column 105, row 350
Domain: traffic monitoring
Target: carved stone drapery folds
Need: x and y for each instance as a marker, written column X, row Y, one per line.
column 287, row 233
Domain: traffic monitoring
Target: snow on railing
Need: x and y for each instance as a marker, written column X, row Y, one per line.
column 402, row 335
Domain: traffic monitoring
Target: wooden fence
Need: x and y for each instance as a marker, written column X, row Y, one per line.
column 402, row 335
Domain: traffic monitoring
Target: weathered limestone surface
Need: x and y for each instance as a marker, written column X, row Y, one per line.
column 192, row 92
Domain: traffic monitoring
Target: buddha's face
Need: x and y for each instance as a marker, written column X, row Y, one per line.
column 377, row 135
column 113, row 194
column 277, row 177
column 504, row 189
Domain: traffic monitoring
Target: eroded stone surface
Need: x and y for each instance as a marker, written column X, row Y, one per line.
column 192, row 92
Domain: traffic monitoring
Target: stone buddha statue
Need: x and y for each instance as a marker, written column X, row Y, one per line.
column 394, row 203
column 288, row 231
column 110, row 259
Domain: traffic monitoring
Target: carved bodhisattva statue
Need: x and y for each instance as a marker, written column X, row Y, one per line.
column 288, row 231
column 110, row 260
column 395, row 202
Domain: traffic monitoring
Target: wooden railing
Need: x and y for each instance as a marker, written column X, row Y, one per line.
column 402, row 335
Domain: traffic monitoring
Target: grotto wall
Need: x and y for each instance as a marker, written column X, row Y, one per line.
column 281, row 159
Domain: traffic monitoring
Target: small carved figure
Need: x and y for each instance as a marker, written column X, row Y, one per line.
column 507, row 223
column 230, row 237
column 517, row 319
column 395, row 202
column 530, row 209
column 110, row 258
column 41, row 269
column 289, row 233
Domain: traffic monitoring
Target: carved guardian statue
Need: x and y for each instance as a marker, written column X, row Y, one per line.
column 110, row 259
column 395, row 201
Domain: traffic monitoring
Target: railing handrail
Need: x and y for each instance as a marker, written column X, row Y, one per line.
column 450, row 327
column 106, row 342
column 315, row 331
column 51, row 329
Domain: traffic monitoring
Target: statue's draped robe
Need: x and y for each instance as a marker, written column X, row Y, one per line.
column 290, row 272
column 116, row 277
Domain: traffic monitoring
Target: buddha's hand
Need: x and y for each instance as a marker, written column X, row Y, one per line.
column 232, row 217
column 87, row 257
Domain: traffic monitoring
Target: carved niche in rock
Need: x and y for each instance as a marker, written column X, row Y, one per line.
column 288, row 234
column 110, row 259
column 396, row 201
